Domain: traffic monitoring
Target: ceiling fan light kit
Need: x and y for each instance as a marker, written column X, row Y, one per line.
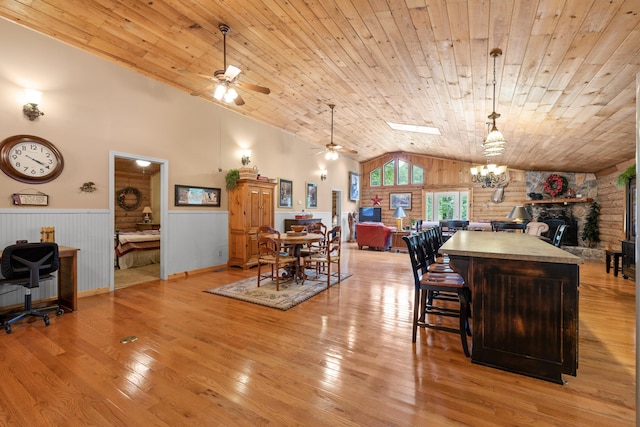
column 227, row 78
column 332, row 149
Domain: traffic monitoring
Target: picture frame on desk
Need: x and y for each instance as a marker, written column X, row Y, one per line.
column 189, row 195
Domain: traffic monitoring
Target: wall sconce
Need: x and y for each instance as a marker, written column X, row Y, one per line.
column 323, row 175
column 30, row 109
column 246, row 157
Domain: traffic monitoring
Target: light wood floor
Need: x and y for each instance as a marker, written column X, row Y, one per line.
column 344, row 357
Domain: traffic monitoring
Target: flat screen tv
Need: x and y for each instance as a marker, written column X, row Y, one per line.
column 370, row 214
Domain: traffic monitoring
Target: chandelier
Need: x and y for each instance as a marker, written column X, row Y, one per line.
column 489, row 175
column 495, row 143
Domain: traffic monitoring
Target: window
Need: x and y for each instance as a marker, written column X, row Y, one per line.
column 417, row 175
column 446, row 205
column 389, row 173
column 374, row 177
column 403, row 172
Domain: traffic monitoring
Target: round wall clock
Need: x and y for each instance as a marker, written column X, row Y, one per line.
column 30, row 159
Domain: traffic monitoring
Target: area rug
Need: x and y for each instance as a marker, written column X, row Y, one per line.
column 289, row 295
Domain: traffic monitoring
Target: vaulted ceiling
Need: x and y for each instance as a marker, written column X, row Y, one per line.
column 565, row 82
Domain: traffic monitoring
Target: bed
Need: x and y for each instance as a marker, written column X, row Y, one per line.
column 137, row 249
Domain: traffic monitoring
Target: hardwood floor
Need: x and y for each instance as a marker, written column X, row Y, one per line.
column 344, row 357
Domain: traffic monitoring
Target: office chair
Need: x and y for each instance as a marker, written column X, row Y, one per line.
column 27, row 265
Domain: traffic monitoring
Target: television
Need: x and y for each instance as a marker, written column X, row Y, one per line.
column 370, row 214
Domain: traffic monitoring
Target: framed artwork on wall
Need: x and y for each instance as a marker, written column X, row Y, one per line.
column 285, row 200
column 354, row 186
column 188, row 195
column 312, row 195
column 400, row 200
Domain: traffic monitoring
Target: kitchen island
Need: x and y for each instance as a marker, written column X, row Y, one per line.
column 524, row 302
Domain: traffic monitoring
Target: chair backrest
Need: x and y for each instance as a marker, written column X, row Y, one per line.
column 265, row 229
column 454, row 224
column 557, row 238
column 508, row 226
column 537, row 228
column 418, row 263
column 29, row 261
column 334, row 242
column 317, row 228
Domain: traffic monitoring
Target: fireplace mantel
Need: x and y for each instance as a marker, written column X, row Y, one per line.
column 558, row 201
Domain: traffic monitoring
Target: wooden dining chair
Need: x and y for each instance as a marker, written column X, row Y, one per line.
column 314, row 247
column 275, row 254
column 426, row 282
column 327, row 256
column 508, row 226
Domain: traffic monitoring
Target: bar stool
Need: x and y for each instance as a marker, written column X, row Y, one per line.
column 616, row 254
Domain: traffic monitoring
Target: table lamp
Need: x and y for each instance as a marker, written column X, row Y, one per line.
column 399, row 214
column 519, row 214
column 147, row 211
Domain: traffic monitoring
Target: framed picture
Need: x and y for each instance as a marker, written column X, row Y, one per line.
column 312, row 195
column 188, row 195
column 400, row 200
column 286, row 194
column 354, row 186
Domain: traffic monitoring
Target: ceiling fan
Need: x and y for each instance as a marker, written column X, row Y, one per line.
column 225, row 80
column 331, row 149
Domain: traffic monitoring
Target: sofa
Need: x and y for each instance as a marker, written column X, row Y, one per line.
column 374, row 235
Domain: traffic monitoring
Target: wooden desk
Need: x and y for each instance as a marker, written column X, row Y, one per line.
column 525, row 302
column 67, row 278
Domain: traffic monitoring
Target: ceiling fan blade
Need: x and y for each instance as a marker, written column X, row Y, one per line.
column 253, row 87
column 203, row 90
column 232, row 72
column 239, row 100
column 346, row 150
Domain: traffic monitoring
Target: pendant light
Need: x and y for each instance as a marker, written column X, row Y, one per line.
column 495, row 144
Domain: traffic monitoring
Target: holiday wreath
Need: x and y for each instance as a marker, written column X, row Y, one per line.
column 129, row 198
column 555, row 185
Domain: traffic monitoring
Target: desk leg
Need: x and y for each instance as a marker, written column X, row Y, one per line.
column 68, row 282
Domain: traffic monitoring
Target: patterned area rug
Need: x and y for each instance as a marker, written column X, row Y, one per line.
column 289, row 295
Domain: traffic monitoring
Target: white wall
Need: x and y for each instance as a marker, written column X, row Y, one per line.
column 93, row 107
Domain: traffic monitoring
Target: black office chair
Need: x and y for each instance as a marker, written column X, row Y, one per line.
column 559, row 236
column 27, row 265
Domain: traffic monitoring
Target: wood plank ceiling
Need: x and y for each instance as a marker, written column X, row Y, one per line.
column 565, row 83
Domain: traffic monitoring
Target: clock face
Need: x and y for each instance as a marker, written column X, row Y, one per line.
column 30, row 159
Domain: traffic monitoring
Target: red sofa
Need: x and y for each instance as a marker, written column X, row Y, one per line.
column 374, row 235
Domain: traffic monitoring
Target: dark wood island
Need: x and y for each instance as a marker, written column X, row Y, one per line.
column 524, row 302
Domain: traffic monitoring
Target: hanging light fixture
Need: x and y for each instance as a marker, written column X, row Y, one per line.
column 495, row 143
column 331, row 154
column 489, row 175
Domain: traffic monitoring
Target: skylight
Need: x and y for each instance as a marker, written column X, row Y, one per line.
column 415, row 128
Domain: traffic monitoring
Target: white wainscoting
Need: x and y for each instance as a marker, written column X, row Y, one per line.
column 89, row 230
column 193, row 240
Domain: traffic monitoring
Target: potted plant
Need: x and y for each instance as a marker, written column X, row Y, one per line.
column 231, row 178
column 624, row 177
column 590, row 233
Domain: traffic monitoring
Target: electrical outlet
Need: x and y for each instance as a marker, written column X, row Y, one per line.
column 219, row 253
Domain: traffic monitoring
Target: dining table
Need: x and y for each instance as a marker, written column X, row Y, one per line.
column 524, row 302
column 298, row 240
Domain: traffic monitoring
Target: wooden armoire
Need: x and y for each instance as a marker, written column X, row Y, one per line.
column 251, row 205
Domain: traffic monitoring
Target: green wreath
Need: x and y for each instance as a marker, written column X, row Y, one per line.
column 126, row 202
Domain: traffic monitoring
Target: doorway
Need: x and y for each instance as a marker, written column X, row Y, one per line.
column 138, row 204
column 336, row 209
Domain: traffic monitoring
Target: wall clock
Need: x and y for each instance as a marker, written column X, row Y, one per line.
column 30, row 159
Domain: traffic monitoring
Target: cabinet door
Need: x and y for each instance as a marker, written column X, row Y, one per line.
column 266, row 204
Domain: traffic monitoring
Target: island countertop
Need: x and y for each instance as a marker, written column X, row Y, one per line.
column 515, row 246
